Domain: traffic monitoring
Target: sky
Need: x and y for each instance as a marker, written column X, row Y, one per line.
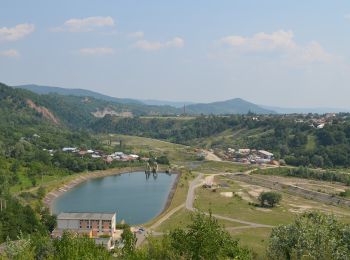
column 271, row 52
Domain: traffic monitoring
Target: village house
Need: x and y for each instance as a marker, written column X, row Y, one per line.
column 247, row 155
column 265, row 154
column 69, row 149
column 244, row 151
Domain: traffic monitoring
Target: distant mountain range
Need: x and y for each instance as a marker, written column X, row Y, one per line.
column 305, row 110
column 232, row 106
column 177, row 104
column 76, row 92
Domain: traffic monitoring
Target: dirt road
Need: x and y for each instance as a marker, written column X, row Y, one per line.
column 191, row 196
column 210, row 156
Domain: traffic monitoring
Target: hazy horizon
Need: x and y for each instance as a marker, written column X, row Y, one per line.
column 271, row 53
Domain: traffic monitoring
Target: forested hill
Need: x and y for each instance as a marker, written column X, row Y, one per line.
column 23, row 114
column 295, row 139
column 80, row 111
column 232, row 106
column 157, row 107
column 76, row 92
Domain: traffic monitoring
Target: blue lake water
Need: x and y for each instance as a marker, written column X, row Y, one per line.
column 134, row 198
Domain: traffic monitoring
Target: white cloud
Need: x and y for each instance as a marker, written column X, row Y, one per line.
column 87, row 24
column 233, row 40
column 176, row 42
column 347, row 16
column 17, row 32
column 10, row 53
column 138, row 34
column 280, row 42
column 96, row 51
column 262, row 41
column 314, row 52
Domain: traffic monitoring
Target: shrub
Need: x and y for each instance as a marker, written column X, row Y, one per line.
column 312, row 235
column 271, row 198
column 345, row 193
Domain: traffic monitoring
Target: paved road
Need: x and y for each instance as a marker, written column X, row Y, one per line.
column 149, row 231
column 191, row 191
column 189, row 205
column 197, row 182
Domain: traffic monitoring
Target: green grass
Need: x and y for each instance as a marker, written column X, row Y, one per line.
column 25, row 183
column 179, row 195
column 180, row 218
column 238, row 208
column 235, row 138
column 183, row 217
column 256, row 239
column 143, row 145
column 311, row 143
column 221, row 167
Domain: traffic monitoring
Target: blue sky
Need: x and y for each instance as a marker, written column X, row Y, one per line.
column 280, row 53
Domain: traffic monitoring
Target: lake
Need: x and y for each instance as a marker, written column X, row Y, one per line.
column 134, row 197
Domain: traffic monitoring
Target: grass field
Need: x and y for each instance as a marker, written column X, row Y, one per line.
column 143, row 145
column 311, row 143
column 26, row 183
column 235, row 138
column 255, row 239
column 214, row 167
column 241, row 206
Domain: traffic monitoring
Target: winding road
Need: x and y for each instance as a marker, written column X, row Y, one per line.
column 195, row 183
column 191, row 196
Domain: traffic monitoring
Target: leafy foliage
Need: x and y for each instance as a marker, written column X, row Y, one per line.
column 17, row 219
column 271, row 198
column 312, row 236
column 128, row 240
column 204, row 238
column 69, row 246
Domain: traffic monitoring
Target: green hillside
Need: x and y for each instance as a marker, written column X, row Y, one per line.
column 155, row 107
column 233, row 106
column 75, row 92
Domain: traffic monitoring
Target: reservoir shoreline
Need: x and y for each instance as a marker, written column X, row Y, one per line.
column 81, row 178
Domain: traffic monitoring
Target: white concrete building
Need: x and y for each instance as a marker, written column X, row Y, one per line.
column 265, row 154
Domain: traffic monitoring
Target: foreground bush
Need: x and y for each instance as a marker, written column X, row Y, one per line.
column 204, row 238
column 311, row 236
column 70, row 246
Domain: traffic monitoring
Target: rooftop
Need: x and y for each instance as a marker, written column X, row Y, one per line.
column 265, row 153
column 86, row 215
